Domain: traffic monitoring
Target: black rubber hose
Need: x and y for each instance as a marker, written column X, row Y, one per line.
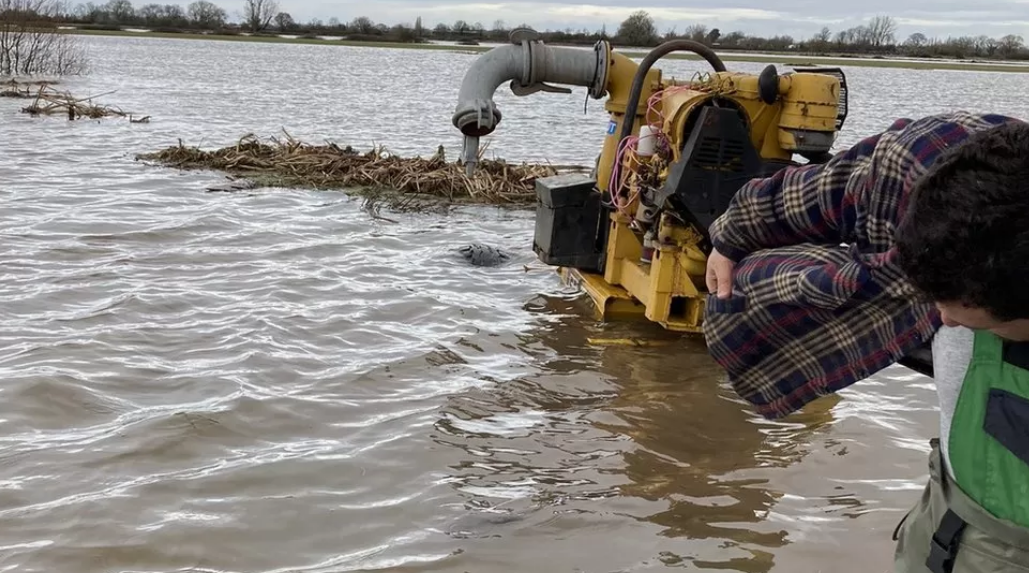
column 641, row 73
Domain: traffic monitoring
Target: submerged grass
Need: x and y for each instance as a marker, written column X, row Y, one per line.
column 402, row 182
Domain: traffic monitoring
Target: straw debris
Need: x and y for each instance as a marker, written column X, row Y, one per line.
column 49, row 101
column 377, row 174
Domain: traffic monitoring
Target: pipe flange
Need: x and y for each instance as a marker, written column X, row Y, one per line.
column 478, row 118
column 599, row 87
column 537, row 65
column 522, row 35
column 526, row 37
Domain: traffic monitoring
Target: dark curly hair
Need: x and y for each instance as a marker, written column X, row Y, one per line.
column 964, row 237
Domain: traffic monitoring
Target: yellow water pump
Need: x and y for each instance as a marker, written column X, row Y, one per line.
column 633, row 234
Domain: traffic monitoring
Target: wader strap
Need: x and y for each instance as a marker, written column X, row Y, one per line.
column 962, row 510
column 944, row 547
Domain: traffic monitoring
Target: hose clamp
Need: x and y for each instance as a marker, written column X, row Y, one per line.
column 535, row 64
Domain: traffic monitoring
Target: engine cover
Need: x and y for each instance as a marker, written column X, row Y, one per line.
column 717, row 159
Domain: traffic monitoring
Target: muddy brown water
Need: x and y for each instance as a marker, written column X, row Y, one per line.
column 275, row 381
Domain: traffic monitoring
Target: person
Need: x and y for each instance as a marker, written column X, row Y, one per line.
column 824, row 274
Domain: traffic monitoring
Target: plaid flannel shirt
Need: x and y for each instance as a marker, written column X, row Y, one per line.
column 817, row 303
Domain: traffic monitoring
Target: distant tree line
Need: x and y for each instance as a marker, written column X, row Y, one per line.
column 876, row 37
column 198, row 15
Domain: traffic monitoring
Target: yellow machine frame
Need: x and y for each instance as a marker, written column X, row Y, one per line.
column 645, row 256
column 670, row 290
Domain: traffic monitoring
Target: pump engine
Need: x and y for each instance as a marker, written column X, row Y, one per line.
column 634, row 234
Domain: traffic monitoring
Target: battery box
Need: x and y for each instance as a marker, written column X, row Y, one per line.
column 568, row 222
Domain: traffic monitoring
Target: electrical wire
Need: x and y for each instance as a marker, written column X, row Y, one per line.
column 623, row 175
column 618, row 176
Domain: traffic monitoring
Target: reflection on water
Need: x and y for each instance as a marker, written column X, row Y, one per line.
column 278, row 382
column 608, row 433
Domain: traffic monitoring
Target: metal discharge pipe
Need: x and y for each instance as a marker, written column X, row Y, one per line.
column 528, row 64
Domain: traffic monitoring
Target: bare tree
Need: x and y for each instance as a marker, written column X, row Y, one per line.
column 90, row 12
column 31, row 44
column 1011, row 45
column 258, row 14
column 121, row 11
column 916, row 40
column 176, row 16
column 696, row 32
column 284, row 21
column 881, row 30
column 985, row 45
column 363, row 25
column 205, row 14
column 865, row 36
column 151, row 14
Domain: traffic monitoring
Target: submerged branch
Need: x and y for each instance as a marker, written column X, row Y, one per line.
column 49, row 101
column 14, row 88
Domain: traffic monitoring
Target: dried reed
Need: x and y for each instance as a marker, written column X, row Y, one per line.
column 291, row 163
column 49, row 101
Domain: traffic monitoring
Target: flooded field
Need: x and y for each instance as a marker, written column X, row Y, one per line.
column 276, row 381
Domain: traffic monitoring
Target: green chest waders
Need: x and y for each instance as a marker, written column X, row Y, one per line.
column 979, row 521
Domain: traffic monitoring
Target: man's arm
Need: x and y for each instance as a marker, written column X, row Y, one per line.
column 812, row 319
column 818, row 203
column 856, row 197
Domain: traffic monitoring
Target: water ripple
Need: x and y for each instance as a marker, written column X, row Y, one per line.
column 275, row 381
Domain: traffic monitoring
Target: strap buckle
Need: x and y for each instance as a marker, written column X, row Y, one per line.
column 941, row 559
column 943, row 548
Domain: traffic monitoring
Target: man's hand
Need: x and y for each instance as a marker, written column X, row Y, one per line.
column 719, row 274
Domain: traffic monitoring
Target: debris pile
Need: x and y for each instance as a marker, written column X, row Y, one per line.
column 49, row 101
column 291, row 163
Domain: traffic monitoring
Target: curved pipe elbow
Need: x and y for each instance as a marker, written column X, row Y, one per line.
column 476, row 114
column 527, row 66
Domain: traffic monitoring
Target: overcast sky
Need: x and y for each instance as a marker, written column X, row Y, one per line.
column 800, row 18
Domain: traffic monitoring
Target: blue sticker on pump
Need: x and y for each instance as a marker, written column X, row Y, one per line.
column 611, row 126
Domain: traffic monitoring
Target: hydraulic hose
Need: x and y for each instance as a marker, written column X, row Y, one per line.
column 648, row 62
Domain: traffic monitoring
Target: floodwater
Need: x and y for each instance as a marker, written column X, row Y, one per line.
column 277, row 381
